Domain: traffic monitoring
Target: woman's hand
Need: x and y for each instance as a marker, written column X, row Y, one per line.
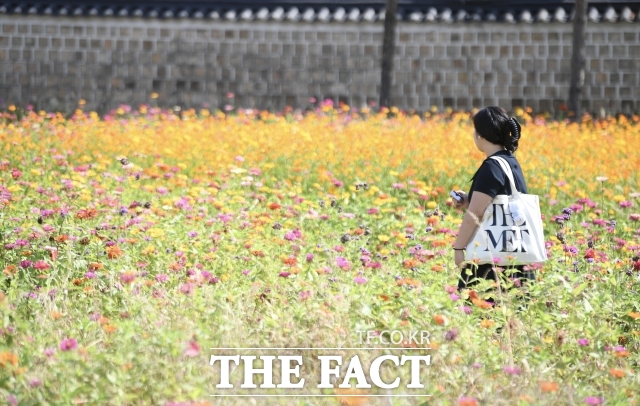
column 464, row 203
column 459, row 258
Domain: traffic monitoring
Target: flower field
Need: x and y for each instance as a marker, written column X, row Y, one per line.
column 133, row 243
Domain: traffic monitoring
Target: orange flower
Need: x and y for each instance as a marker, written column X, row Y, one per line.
column 634, row 315
column 56, row 315
column 439, row 319
column 79, row 281
column 109, row 328
column 291, row 261
column 437, row 268
column 433, row 220
column 617, row 373
column 486, row 323
column 475, row 299
column 114, row 252
column 274, row 206
column 8, row 358
column 410, row 263
column 465, row 401
column 549, row 387
column 408, row 281
column 352, row 400
column 84, row 214
column 95, row 266
column 10, row 270
column 62, row 238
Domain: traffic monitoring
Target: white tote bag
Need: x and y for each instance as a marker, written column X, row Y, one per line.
column 504, row 241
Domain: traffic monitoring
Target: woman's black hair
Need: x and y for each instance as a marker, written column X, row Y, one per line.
column 494, row 125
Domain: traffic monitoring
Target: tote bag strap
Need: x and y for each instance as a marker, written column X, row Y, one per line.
column 507, row 169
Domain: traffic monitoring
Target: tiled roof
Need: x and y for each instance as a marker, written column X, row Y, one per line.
column 317, row 11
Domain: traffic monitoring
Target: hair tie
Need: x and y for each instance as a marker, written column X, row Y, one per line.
column 515, row 127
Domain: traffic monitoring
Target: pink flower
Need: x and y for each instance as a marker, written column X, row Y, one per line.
column 593, row 400
column 373, row 211
column 284, row 274
column 626, row 203
column 343, row 263
column 68, row 344
column 161, row 278
column 511, row 370
column 450, row 289
column 127, row 277
column 360, row 280
column 193, row 349
column 187, row 288
column 634, row 217
column 583, row 342
column 304, row 295
column 454, row 297
column 41, row 265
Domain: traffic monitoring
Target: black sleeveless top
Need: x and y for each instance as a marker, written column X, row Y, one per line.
column 491, row 179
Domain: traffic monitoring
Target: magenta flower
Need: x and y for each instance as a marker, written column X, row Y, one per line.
column 90, row 275
column 343, row 263
column 68, row 344
column 465, row 309
column 309, row 257
column 583, row 342
column 284, row 274
column 25, row 264
column 593, row 400
column 454, row 297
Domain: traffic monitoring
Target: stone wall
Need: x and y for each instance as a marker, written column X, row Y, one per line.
column 52, row 62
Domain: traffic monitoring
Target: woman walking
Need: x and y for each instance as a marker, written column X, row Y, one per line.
column 496, row 134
